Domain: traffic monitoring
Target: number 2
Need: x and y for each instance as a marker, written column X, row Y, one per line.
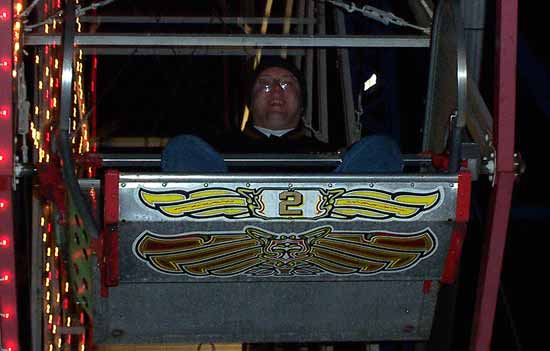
column 290, row 199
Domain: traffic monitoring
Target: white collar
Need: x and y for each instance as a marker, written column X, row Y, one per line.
column 269, row 132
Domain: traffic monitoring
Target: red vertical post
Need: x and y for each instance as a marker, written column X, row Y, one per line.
column 501, row 197
column 8, row 297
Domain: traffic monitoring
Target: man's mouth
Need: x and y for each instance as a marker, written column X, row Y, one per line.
column 276, row 103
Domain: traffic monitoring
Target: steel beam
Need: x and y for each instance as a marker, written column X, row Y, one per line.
column 190, row 20
column 474, row 24
column 322, row 95
column 353, row 128
column 252, row 160
column 125, row 51
column 308, row 116
column 501, row 197
column 252, row 40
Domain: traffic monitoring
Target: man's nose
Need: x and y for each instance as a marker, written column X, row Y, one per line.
column 276, row 87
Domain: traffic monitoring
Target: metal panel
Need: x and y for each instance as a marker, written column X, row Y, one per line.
column 183, row 260
column 265, row 312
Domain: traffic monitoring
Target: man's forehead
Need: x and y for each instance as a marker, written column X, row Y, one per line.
column 277, row 72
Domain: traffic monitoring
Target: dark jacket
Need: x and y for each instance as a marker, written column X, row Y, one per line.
column 252, row 140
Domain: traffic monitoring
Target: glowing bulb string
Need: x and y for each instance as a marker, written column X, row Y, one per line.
column 80, row 11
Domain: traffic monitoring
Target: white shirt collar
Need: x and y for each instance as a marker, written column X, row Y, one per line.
column 269, row 132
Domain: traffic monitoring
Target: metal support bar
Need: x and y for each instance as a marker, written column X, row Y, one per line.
column 462, row 81
column 253, row 40
column 353, row 131
column 308, row 117
column 300, row 12
column 474, row 24
column 423, row 12
column 65, row 123
column 196, row 51
column 478, row 119
column 253, row 160
column 190, row 20
column 501, row 197
column 322, row 96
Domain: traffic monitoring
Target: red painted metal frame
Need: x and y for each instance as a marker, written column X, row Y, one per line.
column 462, row 216
column 109, row 256
column 9, row 337
column 501, row 197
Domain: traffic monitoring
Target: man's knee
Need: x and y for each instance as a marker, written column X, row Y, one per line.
column 373, row 153
column 190, row 153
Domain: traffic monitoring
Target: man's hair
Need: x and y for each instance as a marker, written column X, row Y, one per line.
column 275, row 61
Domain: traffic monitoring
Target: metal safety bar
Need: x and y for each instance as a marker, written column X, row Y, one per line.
column 249, row 160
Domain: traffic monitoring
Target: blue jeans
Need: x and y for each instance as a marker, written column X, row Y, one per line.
column 371, row 154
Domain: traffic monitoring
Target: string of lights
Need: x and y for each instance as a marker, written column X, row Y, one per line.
column 57, row 16
column 63, row 319
column 10, row 60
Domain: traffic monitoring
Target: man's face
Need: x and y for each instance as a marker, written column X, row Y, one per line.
column 276, row 108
